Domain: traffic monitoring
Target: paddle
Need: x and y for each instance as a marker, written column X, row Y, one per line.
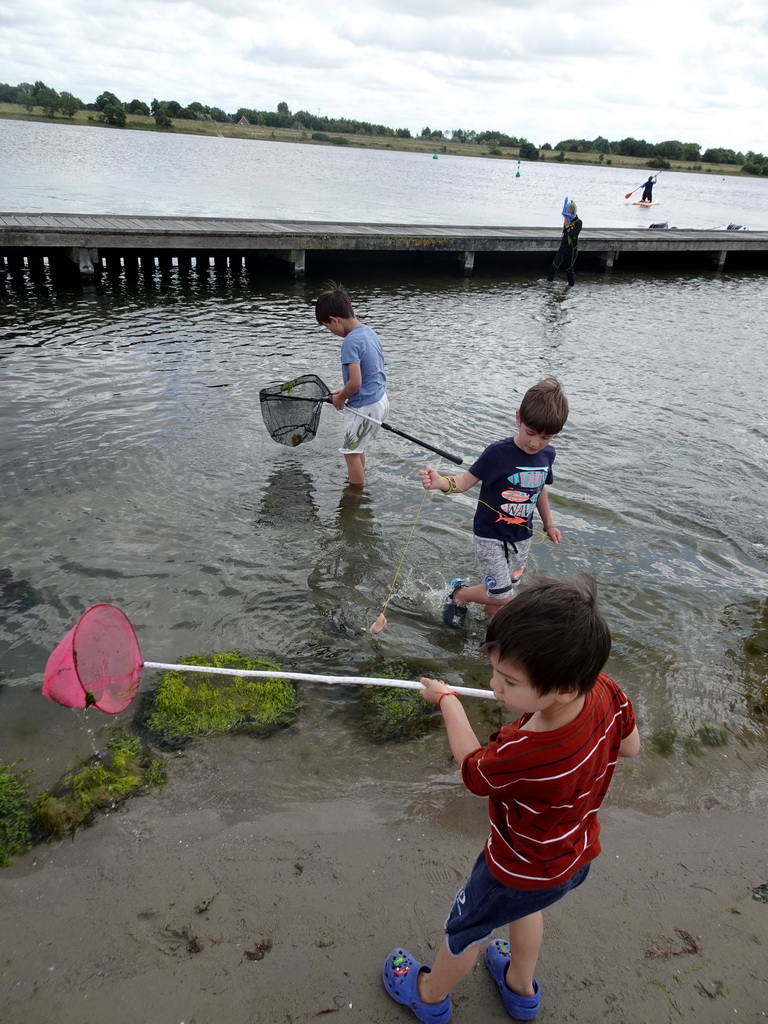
column 640, row 186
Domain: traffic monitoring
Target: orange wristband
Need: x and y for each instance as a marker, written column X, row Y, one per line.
column 448, row 693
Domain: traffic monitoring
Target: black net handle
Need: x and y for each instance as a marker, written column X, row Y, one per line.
column 385, row 426
column 422, row 444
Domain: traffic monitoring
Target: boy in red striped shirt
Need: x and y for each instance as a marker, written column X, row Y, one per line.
column 545, row 777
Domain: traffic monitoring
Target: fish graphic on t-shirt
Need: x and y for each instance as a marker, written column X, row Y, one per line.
column 512, row 520
column 516, row 496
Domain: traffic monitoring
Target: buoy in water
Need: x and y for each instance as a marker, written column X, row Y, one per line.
column 434, row 156
column 518, row 169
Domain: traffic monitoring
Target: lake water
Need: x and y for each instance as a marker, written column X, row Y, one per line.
column 72, row 168
column 136, row 468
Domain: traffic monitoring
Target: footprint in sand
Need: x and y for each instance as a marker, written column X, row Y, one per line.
column 440, row 874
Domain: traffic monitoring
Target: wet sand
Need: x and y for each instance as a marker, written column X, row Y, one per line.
column 239, row 896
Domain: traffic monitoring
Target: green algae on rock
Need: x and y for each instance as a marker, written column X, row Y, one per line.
column 16, row 815
column 666, row 741
column 188, row 704
column 388, row 714
column 99, row 783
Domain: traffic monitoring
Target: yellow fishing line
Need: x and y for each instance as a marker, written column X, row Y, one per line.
column 537, row 536
column 405, row 551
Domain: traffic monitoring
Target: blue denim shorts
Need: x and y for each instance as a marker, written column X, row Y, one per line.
column 485, row 904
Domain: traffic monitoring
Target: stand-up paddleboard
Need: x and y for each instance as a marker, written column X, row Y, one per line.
column 646, row 203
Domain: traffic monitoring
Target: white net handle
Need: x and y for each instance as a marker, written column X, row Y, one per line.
column 402, row 684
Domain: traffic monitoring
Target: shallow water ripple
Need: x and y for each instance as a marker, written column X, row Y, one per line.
column 137, row 470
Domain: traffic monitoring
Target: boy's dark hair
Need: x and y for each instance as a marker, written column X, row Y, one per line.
column 555, row 632
column 544, row 406
column 333, row 301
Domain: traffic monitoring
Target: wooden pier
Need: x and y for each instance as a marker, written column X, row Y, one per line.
column 87, row 244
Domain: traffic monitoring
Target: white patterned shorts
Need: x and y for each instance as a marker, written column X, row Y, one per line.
column 358, row 433
column 501, row 564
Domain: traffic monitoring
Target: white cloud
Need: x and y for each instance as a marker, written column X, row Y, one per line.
column 693, row 69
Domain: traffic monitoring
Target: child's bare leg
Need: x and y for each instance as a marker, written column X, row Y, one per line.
column 471, row 595
column 478, row 595
column 356, row 468
column 447, row 972
column 525, row 938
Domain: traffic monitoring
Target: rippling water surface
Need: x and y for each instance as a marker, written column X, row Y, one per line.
column 77, row 169
column 136, row 469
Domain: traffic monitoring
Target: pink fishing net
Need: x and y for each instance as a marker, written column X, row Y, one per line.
column 97, row 664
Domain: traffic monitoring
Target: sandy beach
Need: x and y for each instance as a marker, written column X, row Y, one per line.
column 237, row 896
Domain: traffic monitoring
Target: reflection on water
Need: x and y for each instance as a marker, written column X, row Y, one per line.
column 136, row 469
column 287, row 499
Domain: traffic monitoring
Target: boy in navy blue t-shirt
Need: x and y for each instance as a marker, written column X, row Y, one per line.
column 514, row 474
column 362, row 368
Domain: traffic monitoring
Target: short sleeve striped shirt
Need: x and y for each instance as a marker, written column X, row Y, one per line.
column 544, row 789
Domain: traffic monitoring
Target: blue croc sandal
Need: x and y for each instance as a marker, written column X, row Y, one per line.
column 454, row 613
column 400, row 974
column 497, row 962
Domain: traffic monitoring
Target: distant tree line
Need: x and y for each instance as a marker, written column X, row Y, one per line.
column 756, row 163
column 112, row 110
column 302, row 120
column 659, row 152
column 40, row 95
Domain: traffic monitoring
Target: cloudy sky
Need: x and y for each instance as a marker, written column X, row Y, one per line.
column 694, row 70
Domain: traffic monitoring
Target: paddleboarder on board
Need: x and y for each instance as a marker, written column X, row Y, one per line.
column 647, row 196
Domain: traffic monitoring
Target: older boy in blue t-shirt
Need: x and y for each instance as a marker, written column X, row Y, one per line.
column 514, row 474
column 365, row 383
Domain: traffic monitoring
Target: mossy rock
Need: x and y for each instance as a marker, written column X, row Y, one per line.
column 187, row 704
column 101, row 782
column 16, row 816
column 16, row 595
column 713, row 736
column 751, row 657
column 705, row 736
column 388, row 714
column 662, row 742
column 665, row 741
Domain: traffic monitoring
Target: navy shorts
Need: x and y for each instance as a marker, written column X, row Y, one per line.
column 485, row 904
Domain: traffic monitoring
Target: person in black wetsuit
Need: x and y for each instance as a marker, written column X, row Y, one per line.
column 648, row 190
column 565, row 257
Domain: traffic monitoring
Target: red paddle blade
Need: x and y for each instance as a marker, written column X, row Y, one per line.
column 97, row 664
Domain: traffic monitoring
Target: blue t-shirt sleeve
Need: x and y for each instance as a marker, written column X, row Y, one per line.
column 351, row 350
column 480, row 468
